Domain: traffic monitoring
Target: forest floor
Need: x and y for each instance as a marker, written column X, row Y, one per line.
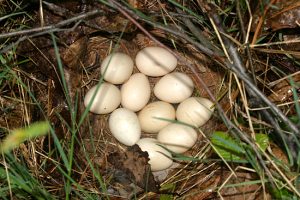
column 242, row 55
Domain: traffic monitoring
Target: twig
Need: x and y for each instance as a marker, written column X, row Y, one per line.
column 11, row 15
column 278, row 51
column 58, row 10
column 242, row 26
column 21, row 39
column 297, row 40
column 34, row 32
column 271, row 84
column 169, row 30
column 240, row 70
column 50, row 28
column 199, row 35
column 41, row 11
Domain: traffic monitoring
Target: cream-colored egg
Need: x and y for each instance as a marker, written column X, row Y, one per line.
column 107, row 99
column 155, row 61
column 117, row 68
column 155, row 116
column 177, row 137
column 135, row 92
column 159, row 158
column 124, row 126
column 195, row 111
column 174, row 87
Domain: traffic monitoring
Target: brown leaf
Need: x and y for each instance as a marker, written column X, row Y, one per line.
column 250, row 191
column 281, row 14
column 211, row 183
column 282, row 91
column 287, row 17
column 279, row 154
column 132, row 167
column 72, row 58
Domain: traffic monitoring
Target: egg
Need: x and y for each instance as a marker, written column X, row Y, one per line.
column 149, row 115
column 195, row 111
column 155, row 61
column 124, row 126
column 117, row 68
column 135, row 92
column 107, row 98
column 159, row 158
column 174, row 87
column 177, row 137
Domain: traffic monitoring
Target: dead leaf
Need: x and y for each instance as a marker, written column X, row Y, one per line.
column 281, row 14
column 287, row 17
column 246, row 191
column 279, row 154
column 211, row 183
column 131, row 168
column 282, row 91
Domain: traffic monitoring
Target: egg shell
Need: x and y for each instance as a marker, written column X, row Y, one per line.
column 124, row 126
column 155, row 61
column 135, row 92
column 174, row 87
column 149, row 115
column 159, row 158
column 177, row 137
column 107, row 99
column 117, row 68
column 195, row 111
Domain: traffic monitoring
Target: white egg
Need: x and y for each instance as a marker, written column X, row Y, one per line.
column 195, row 111
column 155, row 61
column 174, row 87
column 117, row 68
column 135, row 92
column 107, row 99
column 177, row 137
column 159, row 158
column 155, row 116
column 124, row 126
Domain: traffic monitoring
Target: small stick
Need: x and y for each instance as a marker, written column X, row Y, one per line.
column 47, row 29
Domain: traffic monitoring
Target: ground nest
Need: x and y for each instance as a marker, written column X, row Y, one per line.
column 106, row 144
column 50, row 73
column 116, row 160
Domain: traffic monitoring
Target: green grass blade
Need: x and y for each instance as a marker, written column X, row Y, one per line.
column 226, row 146
column 18, row 136
column 21, row 181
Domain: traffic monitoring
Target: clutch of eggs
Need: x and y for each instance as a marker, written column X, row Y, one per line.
column 156, row 117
